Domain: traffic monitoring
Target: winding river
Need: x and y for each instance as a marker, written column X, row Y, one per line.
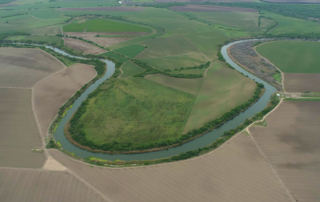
column 192, row 145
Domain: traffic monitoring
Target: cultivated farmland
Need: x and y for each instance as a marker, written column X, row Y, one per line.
column 292, row 56
column 126, row 9
column 39, row 185
column 218, row 94
column 24, row 67
column 290, row 144
column 50, row 30
column 51, row 93
column 130, row 69
column 83, row 46
column 131, row 51
column 301, row 82
column 208, row 8
column 237, row 167
column 19, row 131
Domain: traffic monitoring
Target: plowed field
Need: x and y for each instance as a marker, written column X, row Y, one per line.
column 301, row 82
column 83, row 46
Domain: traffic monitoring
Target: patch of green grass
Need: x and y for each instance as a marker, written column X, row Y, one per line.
column 222, row 90
column 16, row 37
column 45, row 38
column 136, row 110
column 130, row 51
column 172, row 62
column 76, row 26
column 130, row 69
column 278, row 77
column 293, row 56
column 190, row 71
column 115, row 56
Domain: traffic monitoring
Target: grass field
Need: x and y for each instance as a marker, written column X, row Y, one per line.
column 44, row 38
column 136, row 110
column 115, row 56
column 102, row 25
column 16, row 37
column 24, row 67
column 290, row 146
column 130, row 69
column 187, row 85
column 221, row 90
column 130, row 51
column 50, row 30
column 172, row 62
column 19, row 131
column 292, row 56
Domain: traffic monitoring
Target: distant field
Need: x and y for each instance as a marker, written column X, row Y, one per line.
column 136, row 110
column 102, row 25
column 19, row 131
column 24, row 67
column 209, row 8
column 83, row 46
column 292, row 56
column 168, row 46
column 115, row 56
column 62, row 86
column 130, row 51
column 16, row 37
column 130, row 69
column 124, row 9
column 55, row 186
column 221, row 90
column 301, row 82
column 44, row 38
column 290, row 144
column 50, row 30
column 191, row 86
column 172, row 62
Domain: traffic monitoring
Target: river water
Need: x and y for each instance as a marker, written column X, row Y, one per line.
column 192, row 145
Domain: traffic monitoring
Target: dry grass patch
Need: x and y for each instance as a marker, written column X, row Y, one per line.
column 51, row 93
column 291, row 144
column 83, row 46
column 39, row 185
column 237, row 167
column 222, row 90
column 24, row 67
column 19, row 132
column 187, row 85
column 301, row 82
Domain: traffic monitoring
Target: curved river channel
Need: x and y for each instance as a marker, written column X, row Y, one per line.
column 192, row 145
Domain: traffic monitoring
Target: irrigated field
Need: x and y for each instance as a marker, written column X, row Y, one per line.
column 19, row 131
column 292, row 56
column 130, row 51
column 234, row 172
column 39, row 185
column 187, row 85
column 218, row 94
column 130, row 69
column 136, row 110
column 51, row 93
column 290, row 143
column 302, row 82
column 83, row 46
column 24, row 67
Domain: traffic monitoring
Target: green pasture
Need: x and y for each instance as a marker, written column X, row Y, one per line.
column 173, row 62
column 130, row 51
column 293, row 56
column 222, row 89
column 45, row 38
column 136, row 110
column 103, row 25
column 130, row 69
column 115, row 56
column 16, row 37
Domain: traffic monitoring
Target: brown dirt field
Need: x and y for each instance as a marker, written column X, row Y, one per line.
column 29, row 185
column 83, row 46
column 51, row 93
column 106, row 41
column 24, row 67
column 234, row 172
column 117, row 8
column 290, row 143
column 19, row 132
column 294, row 82
column 208, row 8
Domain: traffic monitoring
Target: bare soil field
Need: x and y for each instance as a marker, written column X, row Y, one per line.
column 19, row 132
column 83, row 46
column 290, row 143
column 24, row 67
column 301, row 82
column 51, row 93
column 208, row 8
column 116, row 8
column 245, row 55
column 234, row 172
column 31, row 185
